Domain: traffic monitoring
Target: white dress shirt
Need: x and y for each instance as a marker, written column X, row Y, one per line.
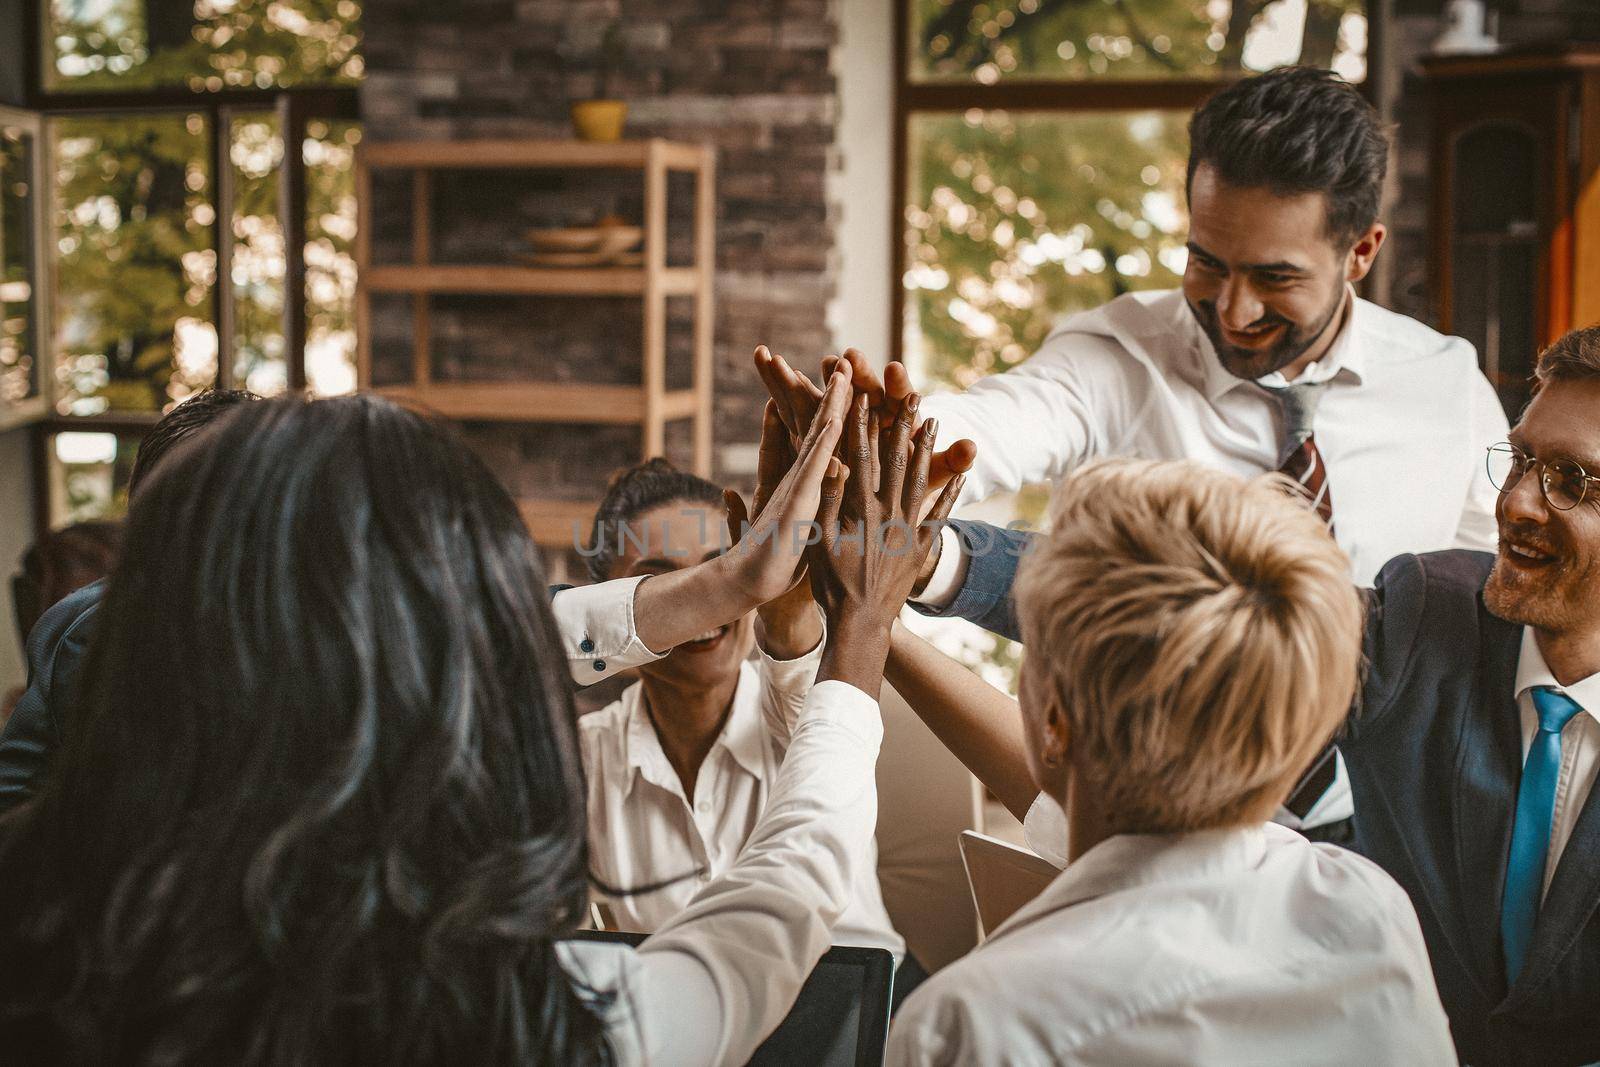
column 1580, row 742
column 1403, row 426
column 716, row 979
column 1249, row 945
column 644, row 830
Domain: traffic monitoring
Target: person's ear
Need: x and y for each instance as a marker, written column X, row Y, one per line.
column 1054, row 740
column 1365, row 250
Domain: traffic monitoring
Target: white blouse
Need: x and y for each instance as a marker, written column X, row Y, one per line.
column 643, row 829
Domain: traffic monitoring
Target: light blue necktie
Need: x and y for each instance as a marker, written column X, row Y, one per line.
column 1530, row 840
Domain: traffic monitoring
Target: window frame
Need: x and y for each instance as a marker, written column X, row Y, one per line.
column 1039, row 95
column 37, row 406
column 294, row 106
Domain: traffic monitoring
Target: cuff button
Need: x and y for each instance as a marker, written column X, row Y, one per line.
column 599, row 664
column 586, row 646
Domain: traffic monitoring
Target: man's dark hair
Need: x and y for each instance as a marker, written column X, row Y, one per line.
column 1297, row 130
column 179, row 424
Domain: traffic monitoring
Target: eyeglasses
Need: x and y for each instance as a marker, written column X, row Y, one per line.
column 1564, row 483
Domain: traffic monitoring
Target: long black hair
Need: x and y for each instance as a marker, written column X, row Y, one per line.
column 320, row 798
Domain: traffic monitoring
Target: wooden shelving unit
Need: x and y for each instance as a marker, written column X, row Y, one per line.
column 649, row 405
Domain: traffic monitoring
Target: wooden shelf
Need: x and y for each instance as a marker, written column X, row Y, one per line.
column 550, row 281
column 649, row 404
column 477, row 155
column 557, row 523
column 539, row 401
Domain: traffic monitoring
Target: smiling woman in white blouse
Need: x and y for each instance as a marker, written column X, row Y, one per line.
column 681, row 766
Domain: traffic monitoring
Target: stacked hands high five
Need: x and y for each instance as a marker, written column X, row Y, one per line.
column 875, row 518
column 849, row 496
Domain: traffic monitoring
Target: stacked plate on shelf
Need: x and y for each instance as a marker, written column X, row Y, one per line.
column 609, row 244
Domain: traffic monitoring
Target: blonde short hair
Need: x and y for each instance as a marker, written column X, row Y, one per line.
column 1202, row 635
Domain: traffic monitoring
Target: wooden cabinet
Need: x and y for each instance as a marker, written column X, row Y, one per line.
column 1515, row 214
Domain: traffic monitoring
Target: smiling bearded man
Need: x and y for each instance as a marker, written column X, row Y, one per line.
column 1265, row 360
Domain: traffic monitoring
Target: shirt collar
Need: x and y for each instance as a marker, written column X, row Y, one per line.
column 1344, row 357
column 1131, row 861
column 1533, row 671
column 743, row 735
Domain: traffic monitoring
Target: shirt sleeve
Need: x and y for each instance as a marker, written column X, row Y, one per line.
column 56, row 649
column 1477, row 528
column 785, row 683
column 1071, row 401
column 597, row 629
column 712, row 983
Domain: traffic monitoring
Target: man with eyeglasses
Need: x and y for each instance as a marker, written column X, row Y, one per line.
column 1473, row 752
column 1473, row 747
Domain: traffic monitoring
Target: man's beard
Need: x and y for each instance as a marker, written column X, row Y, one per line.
column 1549, row 597
column 1250, row 365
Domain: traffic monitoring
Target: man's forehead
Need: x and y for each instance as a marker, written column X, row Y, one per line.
column 1253, row 224
column 1563, row 419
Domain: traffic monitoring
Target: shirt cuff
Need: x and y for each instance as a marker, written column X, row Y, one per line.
column 1045, row 830
column 597, row 630
column 1334, row 806
column 842, row 703
column 949, row 574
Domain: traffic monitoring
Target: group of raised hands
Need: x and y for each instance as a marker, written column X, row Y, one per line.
column 851, row 489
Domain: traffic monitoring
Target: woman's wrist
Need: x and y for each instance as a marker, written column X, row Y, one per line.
column 788, row 631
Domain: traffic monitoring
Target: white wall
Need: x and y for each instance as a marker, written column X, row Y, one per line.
column 864, row 64
column 16, row 533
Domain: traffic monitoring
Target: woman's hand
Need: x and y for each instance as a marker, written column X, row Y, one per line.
column 790, row 625
column 672, row 608
column 872, row 543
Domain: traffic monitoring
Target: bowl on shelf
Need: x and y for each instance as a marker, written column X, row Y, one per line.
column 582, row 246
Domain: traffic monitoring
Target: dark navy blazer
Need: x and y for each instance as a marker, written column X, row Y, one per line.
column 1434, row 751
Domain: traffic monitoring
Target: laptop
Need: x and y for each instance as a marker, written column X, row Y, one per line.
column 840, row 1019
column 1002, row 877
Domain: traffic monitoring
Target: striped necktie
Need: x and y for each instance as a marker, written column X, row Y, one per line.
column 1530, row 838
column 1300, row 458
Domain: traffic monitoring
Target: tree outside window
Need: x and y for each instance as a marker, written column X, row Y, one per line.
column 139, row 178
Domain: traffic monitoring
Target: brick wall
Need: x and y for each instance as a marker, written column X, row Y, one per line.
column 752, row 77
column 1415, row 25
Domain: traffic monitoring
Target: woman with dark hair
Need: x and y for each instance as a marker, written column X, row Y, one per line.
column 344, row 822
column 680, row 765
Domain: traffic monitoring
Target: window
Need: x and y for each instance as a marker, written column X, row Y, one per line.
column 1041, row 155
column 199, row 228
column 199, row 45
column 990, row 41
